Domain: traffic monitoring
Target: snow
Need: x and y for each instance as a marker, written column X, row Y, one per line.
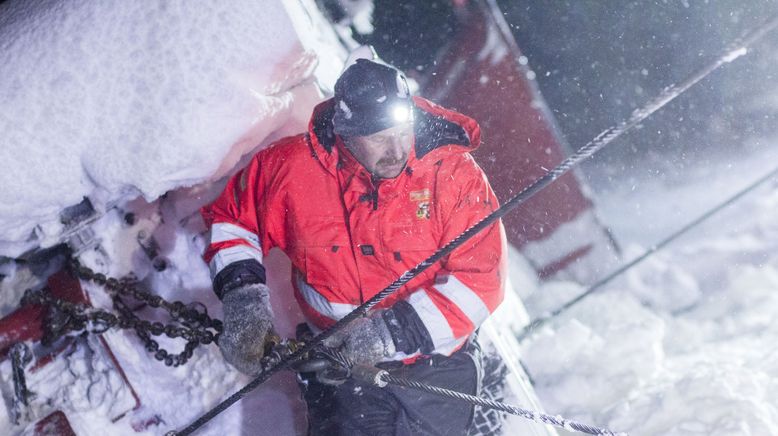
column 84, row 382
column 570, row 236
column 734, row 54
column 679, row 346
column 112, row 101
column 124, row 103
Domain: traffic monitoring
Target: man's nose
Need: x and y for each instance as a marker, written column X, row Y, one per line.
column 396, row 149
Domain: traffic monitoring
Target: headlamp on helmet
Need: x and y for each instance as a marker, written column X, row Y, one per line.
column 369, row 97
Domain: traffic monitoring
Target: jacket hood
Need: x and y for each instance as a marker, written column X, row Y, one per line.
column 436, row 129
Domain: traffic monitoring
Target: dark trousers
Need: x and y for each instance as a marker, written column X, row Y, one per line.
column 354, row 408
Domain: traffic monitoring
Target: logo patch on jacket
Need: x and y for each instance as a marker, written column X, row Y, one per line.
column 423, row 195
column 422, row 198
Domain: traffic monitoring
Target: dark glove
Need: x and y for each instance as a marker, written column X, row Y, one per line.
column 247, row 321
column 365, row 340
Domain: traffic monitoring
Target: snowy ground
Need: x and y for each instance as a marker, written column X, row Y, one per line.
column 139, row 101
column 681, row 345
column 110, row 102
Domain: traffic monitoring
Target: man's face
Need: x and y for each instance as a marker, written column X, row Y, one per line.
column 385, row 153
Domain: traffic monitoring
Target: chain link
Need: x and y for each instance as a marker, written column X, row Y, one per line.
column 187, row 322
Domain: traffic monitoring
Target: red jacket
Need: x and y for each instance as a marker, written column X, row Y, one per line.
column 348, row 237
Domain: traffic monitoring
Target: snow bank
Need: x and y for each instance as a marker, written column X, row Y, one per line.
column 681, row 344
column 111, row 100
column 124, row 102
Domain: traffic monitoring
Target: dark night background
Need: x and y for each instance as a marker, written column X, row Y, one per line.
column 596, row 61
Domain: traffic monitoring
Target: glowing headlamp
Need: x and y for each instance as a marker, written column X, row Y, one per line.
column 401, row 113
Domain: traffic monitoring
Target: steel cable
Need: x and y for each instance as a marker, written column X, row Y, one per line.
column 472, row 399
column 542, row 320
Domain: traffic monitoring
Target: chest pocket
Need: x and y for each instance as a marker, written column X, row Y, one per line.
column 409, row 242
column 324, row 243
column 410, row 236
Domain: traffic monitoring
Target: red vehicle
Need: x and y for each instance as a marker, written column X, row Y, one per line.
column 483, row 73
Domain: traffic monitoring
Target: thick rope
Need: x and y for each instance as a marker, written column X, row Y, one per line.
column 542, row 320
column 528, row 414
column 735, row 50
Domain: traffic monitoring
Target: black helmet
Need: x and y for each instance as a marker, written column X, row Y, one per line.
column 369, row 97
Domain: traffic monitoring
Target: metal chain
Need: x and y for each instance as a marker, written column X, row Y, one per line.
column 20, row 356
column 64, row 317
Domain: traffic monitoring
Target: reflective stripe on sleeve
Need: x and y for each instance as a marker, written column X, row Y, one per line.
column 466, row 300
column 436, row 323
column 232, row 254
column 223, row 232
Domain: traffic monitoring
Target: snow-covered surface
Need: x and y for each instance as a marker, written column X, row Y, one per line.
column 497, row 332
column 682, row 344
column 644, row 205
column 82, row 380
column 576, row 234
column 170, row 398
column 123, row 103
column 114, row 100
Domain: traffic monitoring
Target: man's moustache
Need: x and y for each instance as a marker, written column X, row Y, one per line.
column 392, row 162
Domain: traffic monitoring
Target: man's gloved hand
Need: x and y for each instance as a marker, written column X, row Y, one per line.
column 247, row 321
column 365, row 340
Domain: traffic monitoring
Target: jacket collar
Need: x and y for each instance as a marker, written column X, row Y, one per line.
column 438, row 131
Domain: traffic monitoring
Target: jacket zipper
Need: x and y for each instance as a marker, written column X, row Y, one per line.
column 375, row 182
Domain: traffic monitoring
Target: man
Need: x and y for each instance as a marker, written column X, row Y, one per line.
column 379, row 182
